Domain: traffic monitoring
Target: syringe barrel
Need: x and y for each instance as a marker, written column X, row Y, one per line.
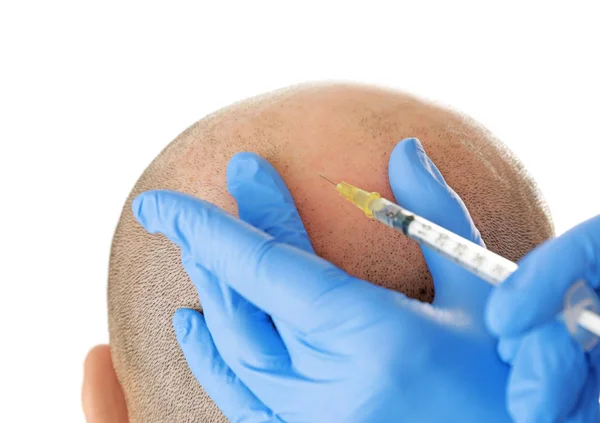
column 487, row 265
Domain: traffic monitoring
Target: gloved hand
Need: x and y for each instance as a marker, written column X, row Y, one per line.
column 286, row 336
column 552, row 379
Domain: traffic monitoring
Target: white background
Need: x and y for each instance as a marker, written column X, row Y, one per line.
column 90, row 92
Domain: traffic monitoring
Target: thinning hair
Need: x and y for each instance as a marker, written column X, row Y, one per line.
column 349, row 131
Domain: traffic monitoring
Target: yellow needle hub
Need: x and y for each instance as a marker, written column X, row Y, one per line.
column 360, row 198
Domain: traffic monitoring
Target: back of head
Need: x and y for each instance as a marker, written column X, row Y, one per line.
column 345, row 132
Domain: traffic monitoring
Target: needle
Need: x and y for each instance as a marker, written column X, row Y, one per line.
column 332, row 183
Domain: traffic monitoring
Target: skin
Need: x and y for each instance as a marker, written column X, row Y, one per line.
column 345, row 132
column 102, row 397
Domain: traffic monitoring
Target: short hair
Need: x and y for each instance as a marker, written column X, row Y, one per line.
column 342, row 130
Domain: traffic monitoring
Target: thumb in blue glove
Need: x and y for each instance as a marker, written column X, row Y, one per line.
column 418, row 186
column 286, row 336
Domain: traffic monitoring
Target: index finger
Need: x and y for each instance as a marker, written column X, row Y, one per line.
column 286, row 282
column 534, row 294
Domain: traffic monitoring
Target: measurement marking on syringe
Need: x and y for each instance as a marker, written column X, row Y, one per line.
column 441, row 240
column 479, row 259
column 459, row 250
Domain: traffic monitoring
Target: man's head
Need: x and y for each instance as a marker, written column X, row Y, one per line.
column 345, row 132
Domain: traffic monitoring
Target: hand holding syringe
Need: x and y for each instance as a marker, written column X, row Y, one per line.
column 581, row 304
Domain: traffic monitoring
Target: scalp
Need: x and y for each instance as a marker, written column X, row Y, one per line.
column 346, row 132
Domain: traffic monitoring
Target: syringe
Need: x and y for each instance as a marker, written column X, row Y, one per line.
column 581, row 304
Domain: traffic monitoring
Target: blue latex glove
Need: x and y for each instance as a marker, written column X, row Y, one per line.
column 286, row 336
column 552, row 379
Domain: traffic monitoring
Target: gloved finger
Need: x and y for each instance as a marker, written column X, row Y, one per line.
column 301, row 289
column 242, row 332
column 234, row 399
column 419, row 187
column 586, row 409
column 534, row 294
column 264, row 200
column 547, row 376
column 244, row 336
column 508, row 348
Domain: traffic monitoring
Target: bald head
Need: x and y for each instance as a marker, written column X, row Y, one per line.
column 345, row 132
